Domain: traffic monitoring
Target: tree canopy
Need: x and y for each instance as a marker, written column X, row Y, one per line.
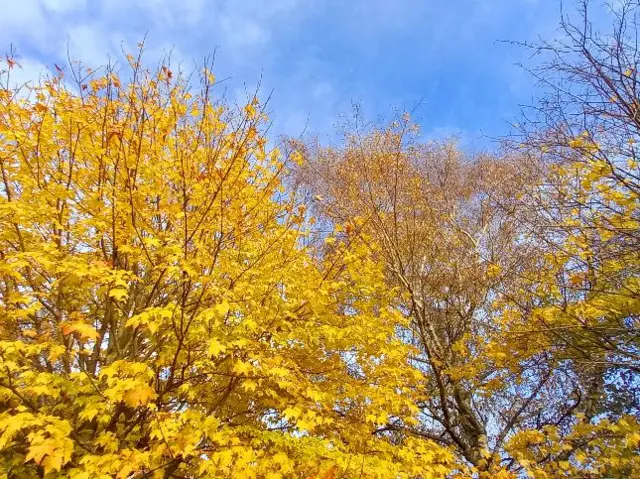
column 180, row 298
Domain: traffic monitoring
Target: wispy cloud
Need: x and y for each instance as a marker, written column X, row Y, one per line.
column 316, row 57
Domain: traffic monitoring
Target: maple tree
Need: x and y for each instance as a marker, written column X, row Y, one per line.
column 160, row 314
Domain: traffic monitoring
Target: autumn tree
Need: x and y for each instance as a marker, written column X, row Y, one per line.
column 451, row 250
column 584, row 215
column 584, row 132
column 160, row 316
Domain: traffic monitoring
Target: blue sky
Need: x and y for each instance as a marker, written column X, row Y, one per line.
column 318, row 57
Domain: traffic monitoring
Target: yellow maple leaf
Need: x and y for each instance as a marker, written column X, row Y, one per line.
column 242, row 368
column 38, row 451
column 85, row 331
column 52, row 463
column 222, row 309
column 249, row 385
column 216, row 348
column 118, row 294
column 139, row 396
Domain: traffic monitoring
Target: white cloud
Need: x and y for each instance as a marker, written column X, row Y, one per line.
column 322, row 90
column 242, row 29
column 314, row 80
column 156, row 14
column 243, row 32
column 22, row 19
column 89, row 44
column 63, row 6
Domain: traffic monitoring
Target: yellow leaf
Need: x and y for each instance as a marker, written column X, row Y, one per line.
column 56, row 351
column 85, row 331
column 633, row 440
column 125, row 471
column 250, row 110
column 330, row 473
column 139, row 396
column 249, row 385
column 118, row 294
column 30, row 333
column 52, row 463
column 216, row 348
column 242, row 368
column 38, row 451
column 223, row 308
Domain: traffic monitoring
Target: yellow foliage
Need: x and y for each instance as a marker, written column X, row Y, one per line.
column 160, row 314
